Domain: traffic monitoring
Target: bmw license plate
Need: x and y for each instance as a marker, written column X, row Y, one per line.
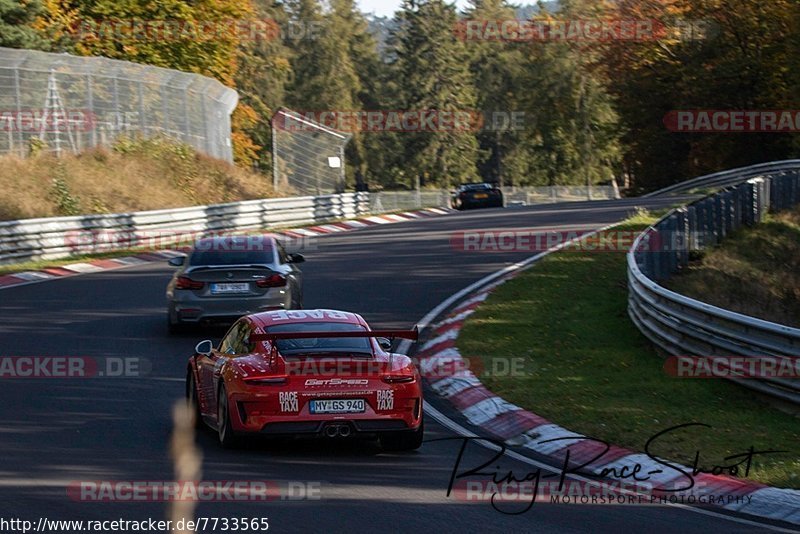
column 228, row 288
column 481, row 195
column 336, row 406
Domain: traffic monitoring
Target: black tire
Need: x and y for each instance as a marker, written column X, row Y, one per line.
column 293, row 301
column 297, row 304
column 410, row 440
column 173, row 327
column 227, row 438
column 191, row 398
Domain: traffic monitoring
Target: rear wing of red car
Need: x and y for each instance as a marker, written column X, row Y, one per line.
column 412, row 334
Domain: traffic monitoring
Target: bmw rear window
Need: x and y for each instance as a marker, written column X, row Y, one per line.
column 231, row 257
column 233, row 250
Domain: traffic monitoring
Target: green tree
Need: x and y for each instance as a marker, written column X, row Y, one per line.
column 574, row 139
column 719, row 54
column 263, row 74
column 496, row 68
column 432, row 66
column 16, row 24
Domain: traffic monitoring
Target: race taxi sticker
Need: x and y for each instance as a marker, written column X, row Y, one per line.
column 385, row 399
column 288, row 401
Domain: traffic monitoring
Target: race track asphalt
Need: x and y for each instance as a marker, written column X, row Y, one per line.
column 54, row 431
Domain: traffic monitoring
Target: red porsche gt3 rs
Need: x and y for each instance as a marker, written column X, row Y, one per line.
column 307, row 372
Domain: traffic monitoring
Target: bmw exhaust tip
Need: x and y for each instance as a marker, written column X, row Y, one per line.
column 332, row 431
column 344, row 431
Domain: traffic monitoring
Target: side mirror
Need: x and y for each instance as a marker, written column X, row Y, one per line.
column 204, row 348
column 384, row 342
column 177, row 261
column 295, row 258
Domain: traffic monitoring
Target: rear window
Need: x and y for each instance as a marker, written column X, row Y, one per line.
column 477, row 186
column 233, row 250
column 230, row 257
column 322, row 345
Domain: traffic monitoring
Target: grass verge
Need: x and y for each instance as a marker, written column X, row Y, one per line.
column 755, row 271
column 590, row 370
column 131, row 175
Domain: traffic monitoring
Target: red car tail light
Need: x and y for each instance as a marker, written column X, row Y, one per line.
column 397, row 379
column 184, row 282
column 276, row 280
column 266, row 380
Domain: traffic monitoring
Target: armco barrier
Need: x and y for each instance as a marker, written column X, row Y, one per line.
column 726, row 178
column 681, row 326
column 58, row 237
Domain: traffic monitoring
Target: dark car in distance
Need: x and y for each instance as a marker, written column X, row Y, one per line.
column 482, row 195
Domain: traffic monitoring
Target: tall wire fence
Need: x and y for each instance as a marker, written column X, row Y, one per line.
column 64, row 103
column 307, row 156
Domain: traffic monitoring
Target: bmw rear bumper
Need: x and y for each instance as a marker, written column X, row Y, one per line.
column 188, row 308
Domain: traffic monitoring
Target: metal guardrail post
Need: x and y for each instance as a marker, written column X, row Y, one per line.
column 719, row 218
column 747, row 203
column 693, row 240
column 711, row 232
column 763, row 199
column 670, row 248
column 736, row 207
column 684, row 236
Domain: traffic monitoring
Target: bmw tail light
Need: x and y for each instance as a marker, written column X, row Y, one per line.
column 276, row 280
column 184, row 282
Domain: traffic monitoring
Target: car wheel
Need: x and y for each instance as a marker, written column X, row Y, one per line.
column 293, row 300
column 191, row 398
column 227, row 438
column 174, row 327
column 297, row 300
column 403, row 441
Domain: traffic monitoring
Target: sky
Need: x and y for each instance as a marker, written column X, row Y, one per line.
column 386, row 8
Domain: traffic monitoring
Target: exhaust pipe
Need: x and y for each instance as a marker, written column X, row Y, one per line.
column 333, row 431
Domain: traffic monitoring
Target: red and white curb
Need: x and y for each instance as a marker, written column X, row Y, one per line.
column 448, row 376
column 94, row 266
